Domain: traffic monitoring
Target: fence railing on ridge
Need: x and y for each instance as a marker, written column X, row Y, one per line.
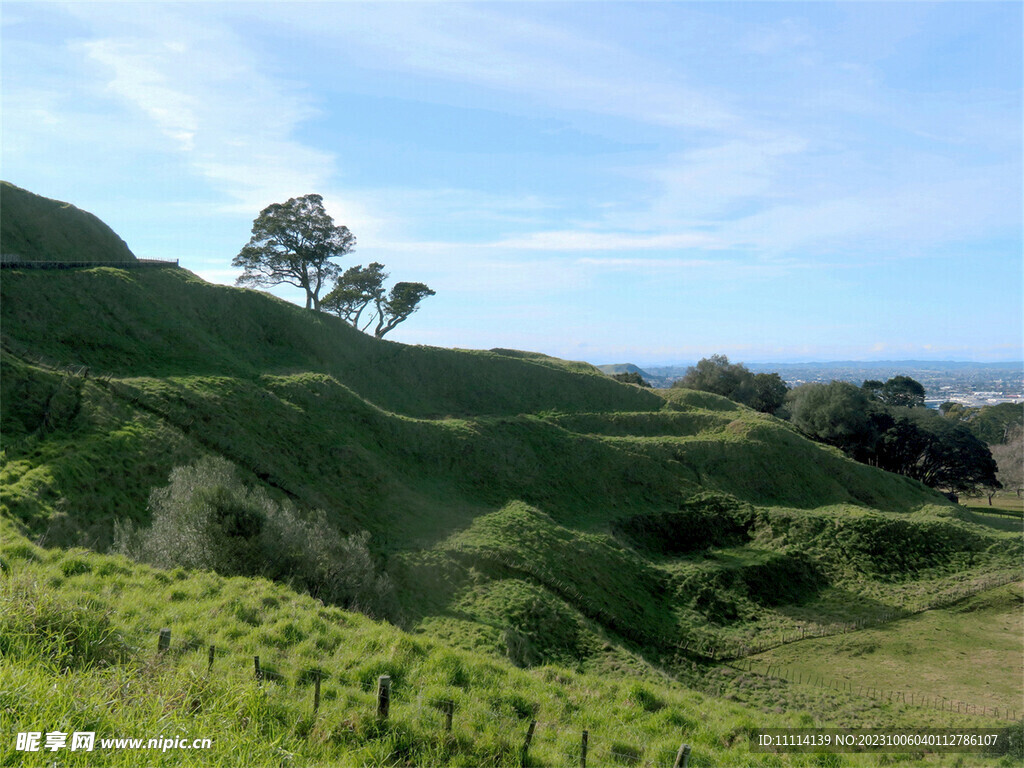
column 6, row 262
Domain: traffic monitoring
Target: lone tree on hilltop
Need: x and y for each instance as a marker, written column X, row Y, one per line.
column 354, row 291
column 294, row 243
column 360, row 287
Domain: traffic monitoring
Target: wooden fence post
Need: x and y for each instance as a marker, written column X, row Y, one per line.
column 209, row 662
column 256, row 669
column 583, row 750
column 163, row 642
column 526, row 743
column 383, row 696
column 316, row 692
column 682, row 756
column 449, row 710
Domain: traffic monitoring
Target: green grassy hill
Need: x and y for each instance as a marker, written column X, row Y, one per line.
column 35, row 228
column 525, row 508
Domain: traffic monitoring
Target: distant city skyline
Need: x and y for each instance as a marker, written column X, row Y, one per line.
column 645, row 183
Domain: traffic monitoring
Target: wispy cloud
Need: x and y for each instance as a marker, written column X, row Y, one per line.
column 201, row 87
column 750, row 174
column 881, row 220
column 492, row 47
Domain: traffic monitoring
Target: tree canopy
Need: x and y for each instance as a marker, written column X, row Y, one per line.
column 885, row 425
column 991, row 424
column 835, row 413
column 769, row 392
column 902, row 391
column 765, row 392
column 353, row 292
column 360, row 287
column 630, row 377
column 294, row 243
column 403, row 300
column 942, row 454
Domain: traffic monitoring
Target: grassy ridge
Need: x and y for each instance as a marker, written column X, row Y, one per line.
column 167, row 322
column 412, row 444
column 444, row 486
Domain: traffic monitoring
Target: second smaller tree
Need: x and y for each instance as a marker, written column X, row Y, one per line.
column 360, row 287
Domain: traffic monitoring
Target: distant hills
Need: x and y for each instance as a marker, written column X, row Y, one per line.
column 932, row 374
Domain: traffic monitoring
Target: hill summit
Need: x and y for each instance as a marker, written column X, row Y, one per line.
column 36, row 228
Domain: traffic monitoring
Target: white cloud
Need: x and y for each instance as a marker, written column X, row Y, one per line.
column 712, row 182
column 501, row 50
column 201, row 87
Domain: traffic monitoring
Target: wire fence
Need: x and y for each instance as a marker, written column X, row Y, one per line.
column 741, row 650
column 388, row 699
column 1016, row 515
column 913, row 698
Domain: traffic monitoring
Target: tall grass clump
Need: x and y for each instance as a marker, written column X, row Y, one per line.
column 206, row 518
column 37, row 625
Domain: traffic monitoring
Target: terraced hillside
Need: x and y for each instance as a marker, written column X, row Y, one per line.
column 532, row 470
column 523, row 507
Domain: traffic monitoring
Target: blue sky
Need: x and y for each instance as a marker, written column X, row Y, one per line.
column 611, row 182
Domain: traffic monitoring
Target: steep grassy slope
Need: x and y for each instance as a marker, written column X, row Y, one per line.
column 35, row 228
column 78, row 633
column 78, row 639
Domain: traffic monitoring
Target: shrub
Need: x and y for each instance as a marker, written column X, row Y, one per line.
column 207, row 518
column 204, row 519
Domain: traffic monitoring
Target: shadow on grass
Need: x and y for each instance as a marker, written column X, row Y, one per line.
column 837, row 606
column 996, row 520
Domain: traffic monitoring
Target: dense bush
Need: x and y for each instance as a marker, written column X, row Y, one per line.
column 630, row 377
column 765, row 392
column 893, row 431
column 207, row 518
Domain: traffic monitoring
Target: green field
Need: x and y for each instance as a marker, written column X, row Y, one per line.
column 970, row 653
column 1001, row 502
